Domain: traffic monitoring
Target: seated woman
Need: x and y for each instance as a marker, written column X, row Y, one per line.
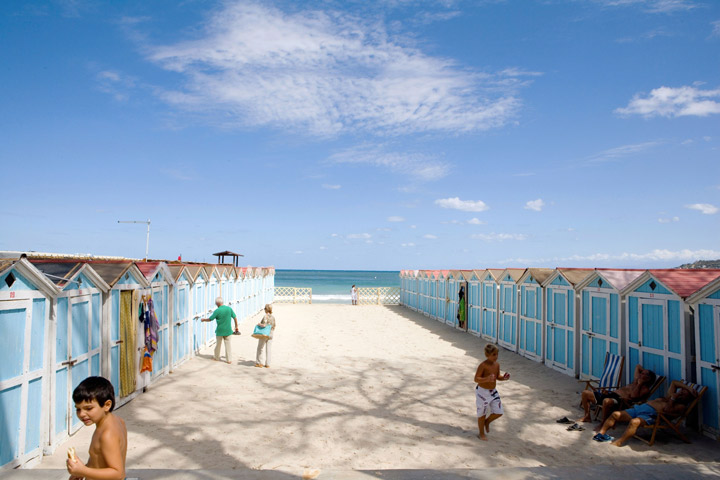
column 643, row 380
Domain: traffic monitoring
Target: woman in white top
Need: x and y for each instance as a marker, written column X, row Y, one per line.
column 268, row 319
column 353, row 295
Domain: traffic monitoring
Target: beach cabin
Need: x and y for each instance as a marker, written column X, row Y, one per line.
column 561, row 313
column 455, row 280
column 161, row 286
column 508, row 308
column 474, row 302
column 490, row 300
column 441, row 300
column 706, row 305
column 243, row 293
column 603, row 324
column 423, row 283
column 198, row 305
column 26, row 344
column 127, row 285
column 182, row 315
column 658, row 321
column 270, row 285
column 403, row 287
column 531, row 318
column 81, row 337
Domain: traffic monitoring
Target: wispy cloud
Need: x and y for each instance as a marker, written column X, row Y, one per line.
column 395, row 219
column 715, row 28
column 116, row 84
column 418, row 166
column 476, row 221
column 327, row 72
column 464, row 205
column 668, row 220
column 430, row 236
column 535, row 205
column 652, row 6
column 705, row 208
column 362, row 236
column 498, row 237
column 406, row 245
column 657, row 255
column 674, row 102
column 330, row 187
column 616, row 153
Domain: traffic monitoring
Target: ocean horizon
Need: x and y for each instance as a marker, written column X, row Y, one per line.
column 333, row 286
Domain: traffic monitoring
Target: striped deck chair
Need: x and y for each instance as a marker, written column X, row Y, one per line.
column 611, row 374
column 664, row 422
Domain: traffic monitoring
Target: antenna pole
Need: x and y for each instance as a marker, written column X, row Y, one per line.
column 147, row 240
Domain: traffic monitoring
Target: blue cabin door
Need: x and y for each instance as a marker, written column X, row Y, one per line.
column 77, row 357
column 162, row 354
column 507, row 318
column 489, row 311
column 650, row 345
column 530, row 338
column 21, row 379
column 595, row 337
column 181, row 325
column 709, row 365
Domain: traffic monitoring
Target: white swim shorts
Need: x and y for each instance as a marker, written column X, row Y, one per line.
column 487, row 400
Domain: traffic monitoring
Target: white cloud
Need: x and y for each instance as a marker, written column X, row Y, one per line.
column 327, row 72
column 395, row 219
column 705, row 208
column 418, row 166
column 405, row 245
column 323, row 247
column 716, row 28
column 613, row 154
column 656, row 255
column 430, row 236
column 652, row 6
column 413, row 226
column 359, row 235
column 331, row 187
column 669, row 220
column 536, row 205
column 116, row 84
column 674, row 102
column 464, row 205
column 298, row 252
column 476, row 221
column 334, row 235
column 498, row 237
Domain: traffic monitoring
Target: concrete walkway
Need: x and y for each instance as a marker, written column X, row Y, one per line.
column 593, row 472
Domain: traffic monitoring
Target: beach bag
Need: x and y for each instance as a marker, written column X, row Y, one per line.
column 262, row 332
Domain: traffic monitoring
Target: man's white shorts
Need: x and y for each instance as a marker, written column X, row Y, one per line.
column 487, row 401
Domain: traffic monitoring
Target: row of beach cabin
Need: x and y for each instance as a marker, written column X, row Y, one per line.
column 667, row 320
column 64, row 318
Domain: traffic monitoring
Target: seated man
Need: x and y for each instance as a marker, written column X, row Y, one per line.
column 673, row 403
column 643, row 380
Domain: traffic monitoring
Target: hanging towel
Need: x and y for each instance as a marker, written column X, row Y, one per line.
column 146, row 361
column 151, row 328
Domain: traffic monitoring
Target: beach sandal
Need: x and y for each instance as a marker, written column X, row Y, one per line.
column 603, row 437
column 575, row 427
column 258, row 365
column 236, row 332
column 564, row 420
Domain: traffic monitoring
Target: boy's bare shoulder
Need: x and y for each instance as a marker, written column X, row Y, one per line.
column 114, row 428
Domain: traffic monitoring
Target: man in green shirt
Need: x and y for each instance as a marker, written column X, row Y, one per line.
column 222, row 316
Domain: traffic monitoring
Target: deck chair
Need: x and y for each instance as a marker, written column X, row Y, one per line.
column 659, row 380
column 611, row 374
column 664, row 422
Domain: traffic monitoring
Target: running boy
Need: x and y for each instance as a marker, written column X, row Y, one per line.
column 486, row 397
column 94, row 402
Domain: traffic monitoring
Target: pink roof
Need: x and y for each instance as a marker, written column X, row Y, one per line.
column 147, row 268
column 685, row 282
column 620, row 278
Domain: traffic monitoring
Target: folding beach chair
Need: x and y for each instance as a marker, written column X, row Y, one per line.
column 611, row 374
column 624, row 405
column 664, row 422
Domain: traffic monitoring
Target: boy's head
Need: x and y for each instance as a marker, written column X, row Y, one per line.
column 268, row 308
column 95, row 388
column 490, row 350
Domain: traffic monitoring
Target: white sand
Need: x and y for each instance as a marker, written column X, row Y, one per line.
column 362, row 388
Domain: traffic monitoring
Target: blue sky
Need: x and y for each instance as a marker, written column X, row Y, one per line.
column 364, row 135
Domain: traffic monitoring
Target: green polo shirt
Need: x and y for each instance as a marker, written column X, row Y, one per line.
column 222, row 316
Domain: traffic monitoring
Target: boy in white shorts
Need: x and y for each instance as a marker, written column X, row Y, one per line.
column 486, row 397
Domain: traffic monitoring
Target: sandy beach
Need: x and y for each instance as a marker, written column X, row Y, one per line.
column 366, row 387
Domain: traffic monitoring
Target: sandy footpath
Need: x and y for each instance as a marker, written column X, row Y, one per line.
column 360, row 388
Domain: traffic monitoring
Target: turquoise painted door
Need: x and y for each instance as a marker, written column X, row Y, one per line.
column 77, row 355
column 161, row 357
column 560, row 330
column 594, row 334
column 22, row 328
column 507, row 335
column 708, row 339
column 489, row 311
column 181, row 326
column 530, row 338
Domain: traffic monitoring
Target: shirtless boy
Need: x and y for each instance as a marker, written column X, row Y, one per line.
column 673, row 403
column 486, row 397
column 643, row 380
column 94, row 402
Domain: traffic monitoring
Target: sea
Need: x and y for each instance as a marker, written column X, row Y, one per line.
column 333, row 286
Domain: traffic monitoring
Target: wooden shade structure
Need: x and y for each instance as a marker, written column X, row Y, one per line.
column 221, row 256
